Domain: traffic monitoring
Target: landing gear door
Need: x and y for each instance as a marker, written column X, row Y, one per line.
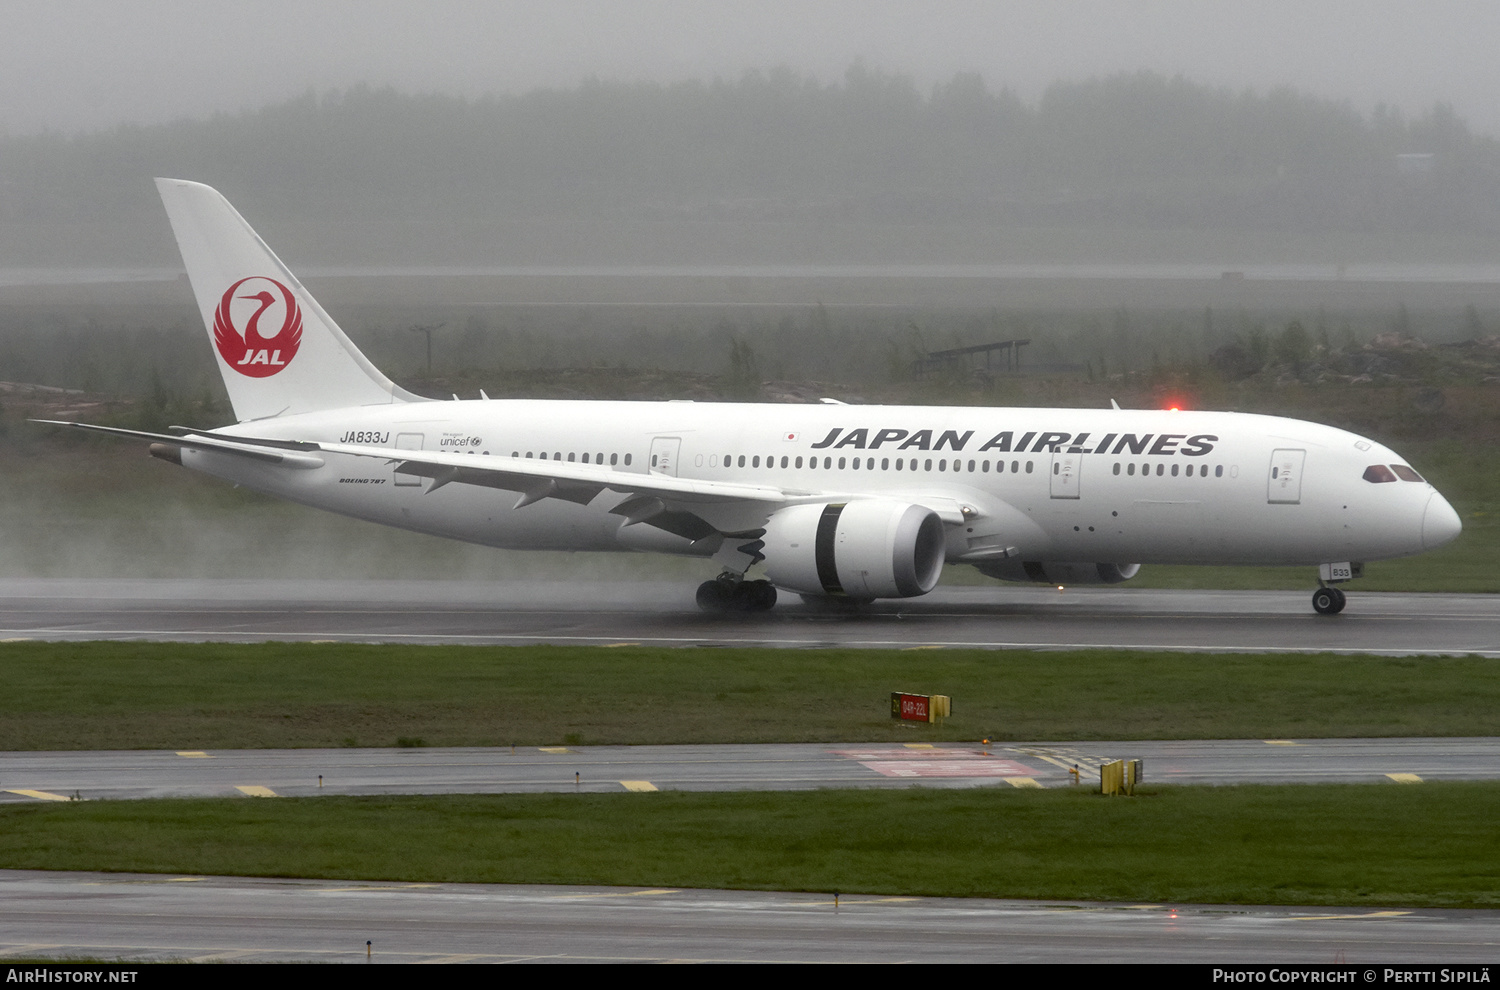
column 408, row 441
column 1065, row 468
column 664, row 455
column 1284, row 480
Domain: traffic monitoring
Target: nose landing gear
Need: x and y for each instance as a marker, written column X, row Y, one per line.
column 1328, row 601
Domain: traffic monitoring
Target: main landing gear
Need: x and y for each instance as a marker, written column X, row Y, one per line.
column 728, row 594
column 1328, row 601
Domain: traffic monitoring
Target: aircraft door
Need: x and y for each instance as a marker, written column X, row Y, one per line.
column 1284, row 481
column 664, row 452
column 409, row 441
column 1065, row 468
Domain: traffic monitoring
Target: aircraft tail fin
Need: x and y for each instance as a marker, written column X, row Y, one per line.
column 278, row 351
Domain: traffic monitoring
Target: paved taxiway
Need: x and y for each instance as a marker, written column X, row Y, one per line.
column 127, row 917
column 299, row 773
column 663, row 614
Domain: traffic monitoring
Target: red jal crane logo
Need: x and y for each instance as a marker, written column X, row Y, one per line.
column 237, row 326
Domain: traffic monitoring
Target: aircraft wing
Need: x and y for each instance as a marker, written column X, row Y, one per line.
column 688, row 507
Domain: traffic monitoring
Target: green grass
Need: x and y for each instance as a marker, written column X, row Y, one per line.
column 1426, row 845
column 216, row 696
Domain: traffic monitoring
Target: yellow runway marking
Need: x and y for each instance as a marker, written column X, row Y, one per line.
column 1281, row 742
column 196, row 754
column 184, row 879
column 552, row 749
column 254, row 790
column 375, row 887
column 919, row 745
column 1405, row 778
column 1022, row 782
column 908, row 649
column 610, row 646
column 16, row 639
column 633, row 893
column 638, row 785
column 1347, row 917
column 39, row 795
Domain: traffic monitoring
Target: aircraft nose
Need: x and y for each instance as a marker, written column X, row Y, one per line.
column 1440, row 524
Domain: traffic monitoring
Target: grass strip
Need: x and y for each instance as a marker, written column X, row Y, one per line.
column 1428, row 845
column 220, row 696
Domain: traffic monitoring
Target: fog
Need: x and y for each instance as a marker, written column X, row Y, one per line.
column 71, row 65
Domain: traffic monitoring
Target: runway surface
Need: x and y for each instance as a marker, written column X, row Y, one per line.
column 115, row 916
column 663, row 614
column 301, row 773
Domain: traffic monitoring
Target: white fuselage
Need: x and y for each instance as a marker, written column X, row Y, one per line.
column 1139, row 486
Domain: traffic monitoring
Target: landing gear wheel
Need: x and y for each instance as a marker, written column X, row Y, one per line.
column 755, row 596
column 1328, row 601
column 721, row 595
column 715, row 596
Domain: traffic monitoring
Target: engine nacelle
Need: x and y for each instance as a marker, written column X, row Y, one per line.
column 1057, row 572
column 867, row 548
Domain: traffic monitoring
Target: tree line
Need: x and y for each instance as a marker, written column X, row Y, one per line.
column 1136, row 150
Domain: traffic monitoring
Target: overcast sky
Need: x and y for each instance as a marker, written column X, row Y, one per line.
column 84, row 64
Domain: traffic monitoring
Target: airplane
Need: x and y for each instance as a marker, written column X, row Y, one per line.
column 840, row 504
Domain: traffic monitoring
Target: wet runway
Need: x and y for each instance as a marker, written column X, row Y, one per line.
column 26, row 776
column 664, row 614
column 116, row 916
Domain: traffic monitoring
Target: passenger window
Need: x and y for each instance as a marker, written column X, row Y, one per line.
column 627, row 460
column 1015, row 466
column 1117, row 467
column 1161, row 469
column 799, row 462
column 742, row 460
column 841, row 464
column 1174, row 470
column 1219, row 471
column 1405, row 473
column 613, row 458
column 1378, row 474
column 755, row 461
column 1130, row 469
column 885, row 464
column 1028, row 467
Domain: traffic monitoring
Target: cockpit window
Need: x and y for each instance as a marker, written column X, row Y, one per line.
column 1379, row 474
column 1405, row 473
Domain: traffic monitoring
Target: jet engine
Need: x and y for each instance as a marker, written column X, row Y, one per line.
column 1057, row 572
column 867, row 548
